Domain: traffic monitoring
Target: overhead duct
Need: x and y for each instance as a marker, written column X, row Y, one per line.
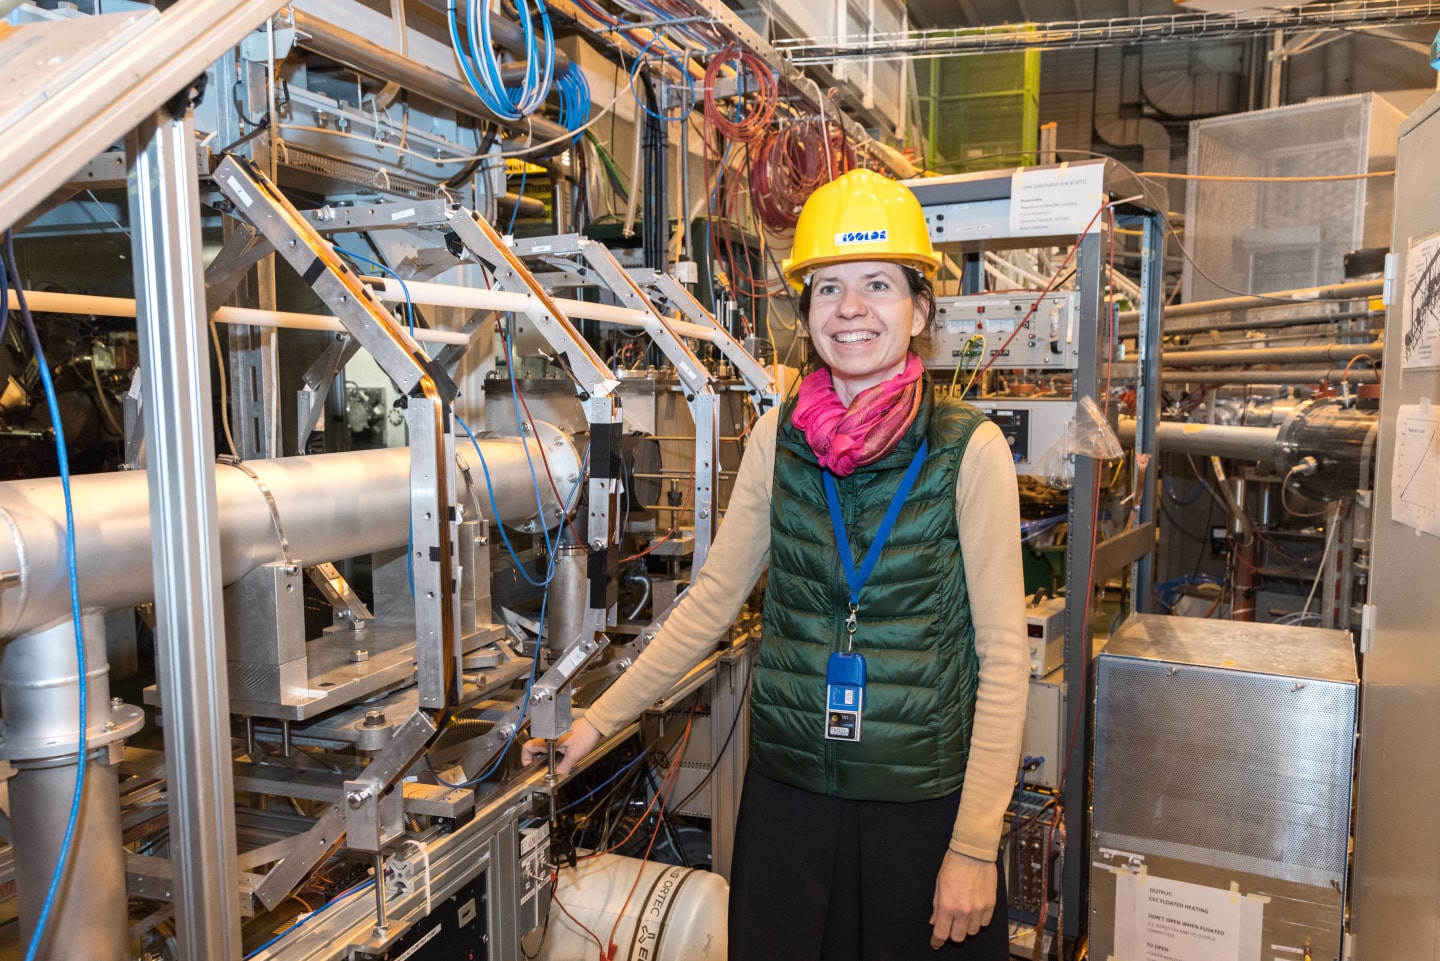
column 1117, row 83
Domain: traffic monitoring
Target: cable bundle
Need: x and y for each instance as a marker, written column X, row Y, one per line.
column 790, row 163
column 756, row 95
column 481, row 66
column 574, row 92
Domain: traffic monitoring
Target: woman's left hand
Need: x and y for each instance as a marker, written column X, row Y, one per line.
column 964, row 898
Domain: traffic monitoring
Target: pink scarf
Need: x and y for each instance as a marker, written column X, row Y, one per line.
column 846, row 438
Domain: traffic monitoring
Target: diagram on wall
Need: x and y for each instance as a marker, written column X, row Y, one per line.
column 1420, row 313
column 1415, row 480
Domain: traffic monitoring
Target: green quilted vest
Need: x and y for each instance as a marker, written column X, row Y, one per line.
column 914, row 626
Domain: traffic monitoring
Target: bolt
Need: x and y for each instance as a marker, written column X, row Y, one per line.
column 357, row 799
column 116, row 703
column 108, row 726
column 359, row 655
column 598, row 544
column 374, row 718
column 704, row 512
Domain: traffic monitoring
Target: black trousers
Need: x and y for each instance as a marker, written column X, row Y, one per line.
column 818, row 878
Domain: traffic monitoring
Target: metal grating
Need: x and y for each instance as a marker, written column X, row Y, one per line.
column 1257, row 237
column 1253, row 769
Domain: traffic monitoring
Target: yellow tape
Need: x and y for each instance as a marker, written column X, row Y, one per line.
column 1234, row 893
column 1144, row 873
column 1258, row 898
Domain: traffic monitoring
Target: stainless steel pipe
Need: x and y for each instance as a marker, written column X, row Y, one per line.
column 1340, row 353
column 39, row 693
column 1251, row 376
column 1222, row 440
column 1357, row 290
column 331, row 506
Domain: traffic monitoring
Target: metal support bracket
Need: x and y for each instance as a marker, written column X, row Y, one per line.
column 430, row 391
column 310, row 400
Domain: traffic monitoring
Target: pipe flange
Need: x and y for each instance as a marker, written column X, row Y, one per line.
column 120, row 721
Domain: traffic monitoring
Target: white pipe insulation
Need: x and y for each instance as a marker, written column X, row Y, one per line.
column 386, row 289
column 331, row 506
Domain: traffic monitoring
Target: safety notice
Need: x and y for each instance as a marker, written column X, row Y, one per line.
column 1056, row 200
column 1158, row 919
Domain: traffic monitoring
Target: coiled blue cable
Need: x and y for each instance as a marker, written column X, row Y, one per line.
column 481, row 67
column 81, row 670
column 574, row 92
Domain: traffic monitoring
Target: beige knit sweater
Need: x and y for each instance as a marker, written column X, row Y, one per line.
column 988, row 511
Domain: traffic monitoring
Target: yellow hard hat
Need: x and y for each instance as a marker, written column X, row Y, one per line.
column 861, row 215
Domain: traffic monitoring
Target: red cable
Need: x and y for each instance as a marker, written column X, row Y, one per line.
column 749, row 124
column 593, row 936
column 672, row 777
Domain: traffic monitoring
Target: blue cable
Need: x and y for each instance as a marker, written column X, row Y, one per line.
column 495, row 510
column 481, row 68
column 313, row 915
column 409, row 303
column 668, row 55
column 515, row 211
column 81, row 670
column 574, row 92
column 610, row 780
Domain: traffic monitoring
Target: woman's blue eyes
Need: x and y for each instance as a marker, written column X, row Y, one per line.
column 831, row 290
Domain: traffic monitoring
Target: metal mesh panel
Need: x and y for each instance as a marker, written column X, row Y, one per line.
column 1259, row 237
column 1254, row 766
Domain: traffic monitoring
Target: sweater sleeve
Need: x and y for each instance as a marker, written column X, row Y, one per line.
column 739, row 553
column 988, row 511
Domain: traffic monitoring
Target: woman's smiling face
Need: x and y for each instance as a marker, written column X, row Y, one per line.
column 862, row 317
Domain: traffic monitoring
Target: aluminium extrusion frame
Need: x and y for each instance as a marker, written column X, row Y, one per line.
column 976, row 215
column 190, row 630
column 698, row 385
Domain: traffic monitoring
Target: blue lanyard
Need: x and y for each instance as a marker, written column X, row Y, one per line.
column 856, row 579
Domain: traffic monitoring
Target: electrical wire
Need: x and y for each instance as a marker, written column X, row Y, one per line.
column 495, row 510
column 608, row 781
column 409, row 303
column 754, row 101
column 359, row 888
column 8, row 265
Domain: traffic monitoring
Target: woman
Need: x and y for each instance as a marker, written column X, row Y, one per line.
column 889, row 693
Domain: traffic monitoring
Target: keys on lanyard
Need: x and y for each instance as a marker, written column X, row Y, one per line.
column 845, row 671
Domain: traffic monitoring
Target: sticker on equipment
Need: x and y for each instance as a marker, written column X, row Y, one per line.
column 861, row 237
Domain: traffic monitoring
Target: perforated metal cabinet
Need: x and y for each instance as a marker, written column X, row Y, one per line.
column 1224, row 754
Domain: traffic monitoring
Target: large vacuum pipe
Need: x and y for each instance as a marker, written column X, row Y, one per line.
column 1335, row 440
column 331, row 506
column 39, row 698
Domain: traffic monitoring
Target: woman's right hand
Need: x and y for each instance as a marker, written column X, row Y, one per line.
column 572, row 747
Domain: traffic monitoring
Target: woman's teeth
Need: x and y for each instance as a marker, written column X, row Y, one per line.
column 855, row 337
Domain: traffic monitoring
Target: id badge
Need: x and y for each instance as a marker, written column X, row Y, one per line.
column 844, row 696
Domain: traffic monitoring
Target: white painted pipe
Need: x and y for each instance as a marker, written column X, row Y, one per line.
column 676, row 914
column 331, row 506
column 48, row 302
column 385, row 289
column 450, row 295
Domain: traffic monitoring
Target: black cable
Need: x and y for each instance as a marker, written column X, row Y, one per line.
column 734, row 724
